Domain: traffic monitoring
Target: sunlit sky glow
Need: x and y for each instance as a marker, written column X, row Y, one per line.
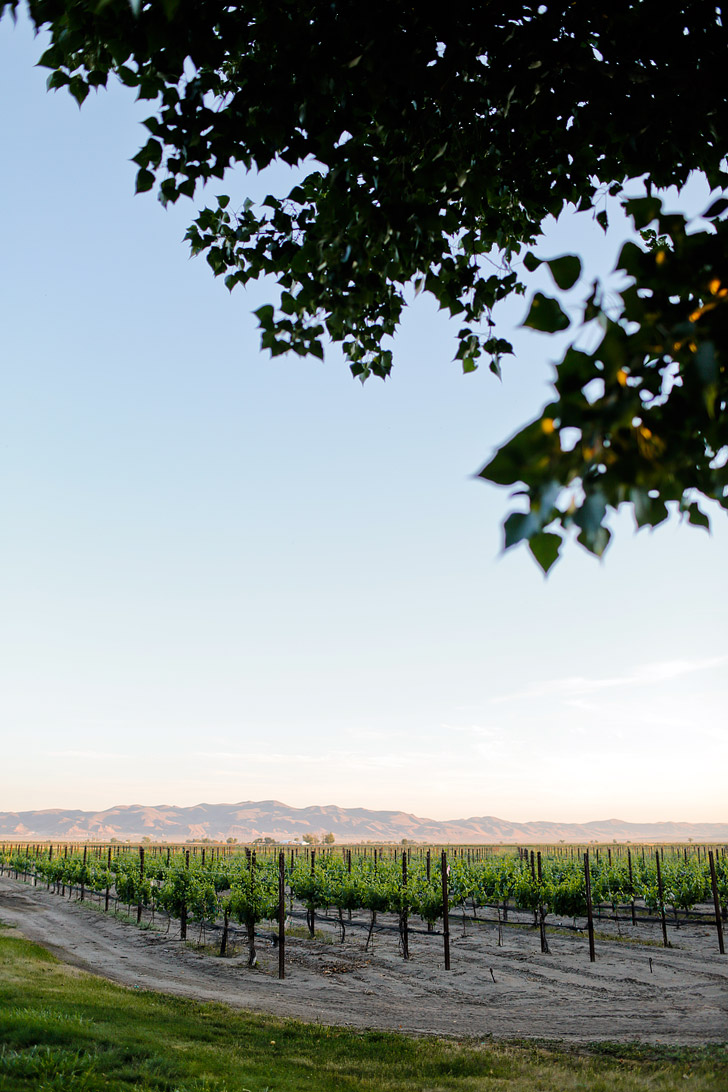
column 229, row 578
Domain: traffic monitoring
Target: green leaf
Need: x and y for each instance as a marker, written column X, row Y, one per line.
column 518, row 526
column 643, row 210
column 574, row 371
column 546, row 315
column 648, row 511
column 595, row 542
column 168, row 191
column 57, row 79
column 706, row 364
column 545, row 548
column 565, row 270
column 79, row 89
column 592, row 512
column 531, row 262
column 716, row 209
column 51, row 58
column 127, row 75
column 697, row 517
column 144, row 181
column 630, row 259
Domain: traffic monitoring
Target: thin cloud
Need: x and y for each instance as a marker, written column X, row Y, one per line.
column 87, row 754
column 482, row 731
column 332, row 759
column 250, row 757
column 575, row 686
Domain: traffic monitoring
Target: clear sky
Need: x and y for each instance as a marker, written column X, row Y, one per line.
column 229, row 578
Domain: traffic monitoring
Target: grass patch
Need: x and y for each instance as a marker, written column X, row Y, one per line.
column 302, row 932
column 64, row 1029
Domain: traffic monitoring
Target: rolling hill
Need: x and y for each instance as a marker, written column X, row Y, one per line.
column 248, row 820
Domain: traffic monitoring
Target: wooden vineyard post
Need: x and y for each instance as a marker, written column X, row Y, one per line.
column 445, row 911
column 542, row 912
column 631, row 886
column 533, row 877
column 225, row 929
column 403, row 913
column 716, row 902
column 83, row 874
column 589, row 914
column 428, row 865
column 183, row 910
column 108, row 885
column 312, row 911
column 348, row 869
column 141, row 883
column 281, row 915
column 661, row 896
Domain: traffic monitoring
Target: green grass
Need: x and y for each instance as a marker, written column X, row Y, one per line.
column 303, row 932
column 66, row 1030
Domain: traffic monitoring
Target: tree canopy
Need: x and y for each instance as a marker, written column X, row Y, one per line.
column 434, row 143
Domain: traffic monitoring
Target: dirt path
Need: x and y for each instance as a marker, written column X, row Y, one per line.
column 681, row 998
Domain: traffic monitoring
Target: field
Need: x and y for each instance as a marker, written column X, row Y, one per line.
column 502, row 990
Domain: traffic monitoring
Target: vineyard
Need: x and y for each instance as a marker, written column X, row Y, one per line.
column 259, row 894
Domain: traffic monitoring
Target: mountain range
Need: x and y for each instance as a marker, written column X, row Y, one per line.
column 250, row 819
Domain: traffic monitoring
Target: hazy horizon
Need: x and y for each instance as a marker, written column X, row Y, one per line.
column 363, row 807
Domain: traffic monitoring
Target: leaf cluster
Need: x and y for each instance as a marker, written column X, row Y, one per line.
column 438, row 137
column 432, row 144
column 640, row 419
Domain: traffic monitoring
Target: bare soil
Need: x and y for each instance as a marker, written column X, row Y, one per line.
column 636, row 990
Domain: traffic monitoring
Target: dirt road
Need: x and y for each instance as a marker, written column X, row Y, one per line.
column 504, row 992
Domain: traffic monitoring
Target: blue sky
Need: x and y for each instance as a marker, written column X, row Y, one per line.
column 225, row 577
